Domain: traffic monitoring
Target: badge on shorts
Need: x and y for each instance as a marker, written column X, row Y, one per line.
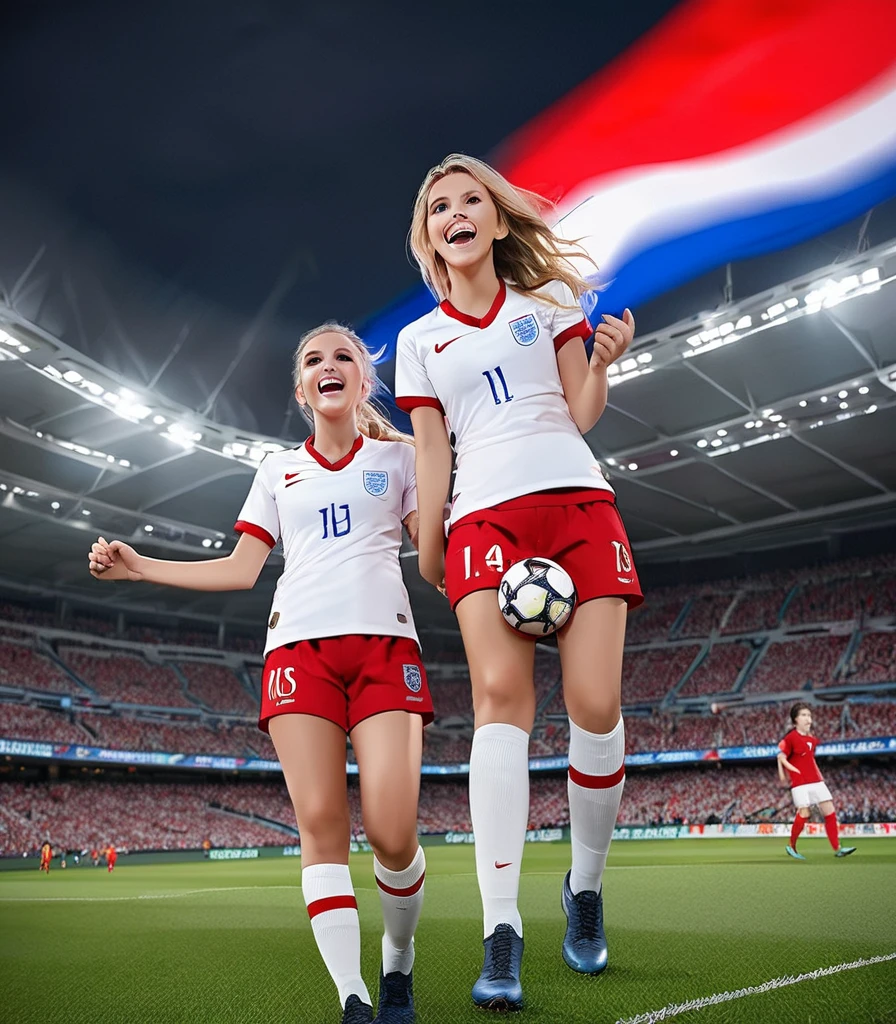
column 412, row 678
column 525, row 329
column 375, row 482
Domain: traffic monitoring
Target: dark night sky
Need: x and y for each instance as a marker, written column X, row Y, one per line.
column 218, row 144
column 204, row 157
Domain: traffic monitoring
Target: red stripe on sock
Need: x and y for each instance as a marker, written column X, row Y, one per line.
column 411, row 889
column 597, row 781
column 332, row 903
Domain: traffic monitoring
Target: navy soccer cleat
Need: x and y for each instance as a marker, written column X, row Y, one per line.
column 356, row 1012
column 791, row 852
column 498, row 988
column 584, row 945
column 396, row 1005
column 845, row 851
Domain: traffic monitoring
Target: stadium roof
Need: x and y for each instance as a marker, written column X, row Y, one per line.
column 763, row 423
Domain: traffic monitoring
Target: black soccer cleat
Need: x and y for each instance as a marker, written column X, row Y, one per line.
column 396, row 1005
column 357, row 1012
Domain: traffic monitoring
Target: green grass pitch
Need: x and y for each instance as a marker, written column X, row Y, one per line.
column 229, row 942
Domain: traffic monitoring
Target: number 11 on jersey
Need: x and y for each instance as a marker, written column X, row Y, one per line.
column 499, row 373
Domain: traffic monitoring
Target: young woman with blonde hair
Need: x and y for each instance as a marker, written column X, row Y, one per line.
column 341, row 655
column 501, row 363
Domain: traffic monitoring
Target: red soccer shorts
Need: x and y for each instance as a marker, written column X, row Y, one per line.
column 583, row 534
column 345, row 679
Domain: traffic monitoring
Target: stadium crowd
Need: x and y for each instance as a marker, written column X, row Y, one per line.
column 146, row 815
column 718, row 672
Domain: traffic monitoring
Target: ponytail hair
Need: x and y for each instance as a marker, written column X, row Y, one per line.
column 372, row 421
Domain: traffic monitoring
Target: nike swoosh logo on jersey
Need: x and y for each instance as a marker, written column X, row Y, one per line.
column 441, row 348
column 507, row 865
column 292, row 478
column 625, row 579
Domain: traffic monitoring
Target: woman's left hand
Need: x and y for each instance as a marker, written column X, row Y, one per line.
column 611, row 339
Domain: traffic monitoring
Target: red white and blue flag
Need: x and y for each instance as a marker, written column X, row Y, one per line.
column 732, row 129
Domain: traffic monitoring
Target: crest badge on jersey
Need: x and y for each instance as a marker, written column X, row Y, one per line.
column 376, row 482
column 412, row 678
column 525, row 329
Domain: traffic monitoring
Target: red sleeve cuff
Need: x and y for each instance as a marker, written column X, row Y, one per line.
column 411, row 402
column 241, row 526
column 580, row 330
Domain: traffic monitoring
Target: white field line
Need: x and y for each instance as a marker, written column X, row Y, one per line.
column 674, row 1009
column 145, row 896
column 244, row 888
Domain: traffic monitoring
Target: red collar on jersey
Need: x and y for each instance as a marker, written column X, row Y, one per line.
column 473, row 321
column 340, row 463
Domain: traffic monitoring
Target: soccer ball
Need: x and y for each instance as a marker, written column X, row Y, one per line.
column 536, row 596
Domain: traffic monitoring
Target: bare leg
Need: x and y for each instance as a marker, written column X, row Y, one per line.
column 312, row 755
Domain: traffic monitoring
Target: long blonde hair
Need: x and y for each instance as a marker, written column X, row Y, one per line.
column 371, row 421
column 529, row 256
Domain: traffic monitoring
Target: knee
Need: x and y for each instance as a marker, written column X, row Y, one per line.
column 497, row 695
column 804, row 812
column 394, row 847
column 322, row 820
column 593, row 712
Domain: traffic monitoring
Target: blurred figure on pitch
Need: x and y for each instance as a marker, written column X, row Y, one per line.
column 111, row 857
column 807, row 787
column 341, row 657
column 46, row 855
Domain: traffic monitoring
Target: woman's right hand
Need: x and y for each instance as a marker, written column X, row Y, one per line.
column 432, row 568
column 114, row 560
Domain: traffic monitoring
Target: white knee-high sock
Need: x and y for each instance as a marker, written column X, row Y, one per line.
column 596, row 780
column 499, row 809
column 401, row 897
column 330, row 899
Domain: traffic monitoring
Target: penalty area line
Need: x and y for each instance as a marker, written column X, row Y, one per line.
column 141, row 896
column 674, row 1009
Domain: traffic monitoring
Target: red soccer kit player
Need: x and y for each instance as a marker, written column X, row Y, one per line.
column 46, row 854
column 797, row 757
column 111, row 857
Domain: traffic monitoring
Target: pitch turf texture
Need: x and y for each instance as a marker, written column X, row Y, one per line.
column 230, row 941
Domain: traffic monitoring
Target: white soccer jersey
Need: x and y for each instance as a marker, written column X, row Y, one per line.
column 498, row 383
column 341, row 528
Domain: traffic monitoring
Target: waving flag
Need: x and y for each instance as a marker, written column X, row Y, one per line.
column 734, row 128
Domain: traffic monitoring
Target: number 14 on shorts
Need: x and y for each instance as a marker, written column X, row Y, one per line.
column 494, row 559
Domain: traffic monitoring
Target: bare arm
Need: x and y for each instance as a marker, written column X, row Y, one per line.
column 585, row 381
column 433, row 481
column 784, row 763
column 115, row 560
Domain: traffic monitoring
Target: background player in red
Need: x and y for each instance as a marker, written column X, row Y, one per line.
column 111, row 857
column 503, row 360
column 341, row 654
column 46, row 855
column 796, row 765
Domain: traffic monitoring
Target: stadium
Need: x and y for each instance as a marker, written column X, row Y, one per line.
column 748, row 437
